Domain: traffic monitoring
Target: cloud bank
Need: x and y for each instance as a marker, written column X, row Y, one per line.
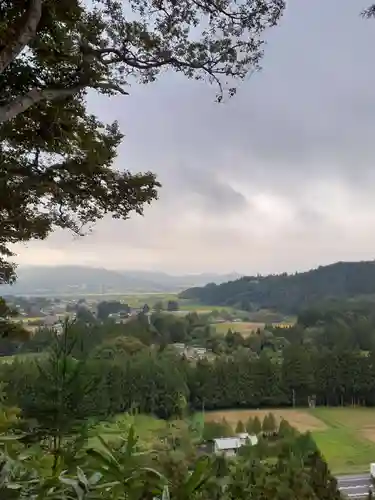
column 282, row 177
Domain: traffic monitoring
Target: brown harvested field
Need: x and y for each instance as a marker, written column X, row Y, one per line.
column 243, row 327
column 369, row 433
column 300, row 419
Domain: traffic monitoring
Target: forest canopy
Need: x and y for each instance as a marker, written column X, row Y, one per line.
column 290, row 293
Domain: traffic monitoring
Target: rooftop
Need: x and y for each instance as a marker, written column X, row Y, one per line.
column 233, row 443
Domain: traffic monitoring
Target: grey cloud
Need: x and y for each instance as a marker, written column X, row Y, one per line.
column 311, row 104
column 212, row 193
column 301, row 131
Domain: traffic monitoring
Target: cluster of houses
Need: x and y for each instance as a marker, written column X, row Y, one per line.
column 123, row 316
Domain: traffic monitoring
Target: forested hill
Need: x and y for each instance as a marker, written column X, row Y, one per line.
column 290, row 292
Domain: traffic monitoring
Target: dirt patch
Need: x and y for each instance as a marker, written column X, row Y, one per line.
column 300, row 419
column 369, row 433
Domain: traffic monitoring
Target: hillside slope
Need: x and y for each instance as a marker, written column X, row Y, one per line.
column 81, row 279
column 290, row 293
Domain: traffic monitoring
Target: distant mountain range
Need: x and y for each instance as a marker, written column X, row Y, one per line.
column 291, row 292
column 43, row 280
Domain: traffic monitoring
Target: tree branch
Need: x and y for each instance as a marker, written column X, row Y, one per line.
column 369, row 12
column 22, row 36
column 22, row 103
column 109, row 86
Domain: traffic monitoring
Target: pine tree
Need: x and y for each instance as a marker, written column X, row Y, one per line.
column 240, row 427
column 250, row 426
column 257, row 426
column 272, row 423
column 321, row 480
column 285, row 429
column 58, row 406
column 267, row 425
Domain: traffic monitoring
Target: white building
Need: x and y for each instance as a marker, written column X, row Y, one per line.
column 229, row 446
column 190, row 352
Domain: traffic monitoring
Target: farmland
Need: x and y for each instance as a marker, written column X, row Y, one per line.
column 345, row 436
column 243, row 327
column 139, row 299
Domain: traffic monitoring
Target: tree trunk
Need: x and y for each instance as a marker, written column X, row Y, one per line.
column 22, row 36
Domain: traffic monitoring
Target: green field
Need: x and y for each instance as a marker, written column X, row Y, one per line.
column 137, row 300
column 149, row 430
column 348, row 443
column 145, row 427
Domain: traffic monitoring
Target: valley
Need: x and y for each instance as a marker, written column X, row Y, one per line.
column 180, row 374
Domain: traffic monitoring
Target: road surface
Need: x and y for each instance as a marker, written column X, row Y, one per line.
column 354, row 486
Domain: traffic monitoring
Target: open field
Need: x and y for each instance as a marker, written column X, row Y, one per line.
column 190, row 305
column 350, row 443
column 148, row 430
column 145, row 428
column 300, row 419
column 345, row 436
column 137, row 300
column 243, row 327
column 151, row 298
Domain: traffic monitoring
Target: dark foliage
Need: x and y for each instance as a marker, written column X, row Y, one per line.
column 329, row 362
column 290, row 293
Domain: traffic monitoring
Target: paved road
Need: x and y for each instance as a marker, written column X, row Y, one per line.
column 354, row 486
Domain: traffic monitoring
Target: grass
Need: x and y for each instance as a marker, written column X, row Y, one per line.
column 345, row 436
column 146, row 428
column 346, row 452
column 349, row 442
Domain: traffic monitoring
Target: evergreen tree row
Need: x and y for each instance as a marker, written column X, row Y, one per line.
column 163, row 384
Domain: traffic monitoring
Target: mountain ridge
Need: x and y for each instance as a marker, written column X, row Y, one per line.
column 50, row 280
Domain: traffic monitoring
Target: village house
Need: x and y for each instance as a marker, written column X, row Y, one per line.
column 190, row 352
column 229, row 446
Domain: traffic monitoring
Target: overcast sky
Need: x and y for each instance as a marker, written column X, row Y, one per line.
column 280, row 178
